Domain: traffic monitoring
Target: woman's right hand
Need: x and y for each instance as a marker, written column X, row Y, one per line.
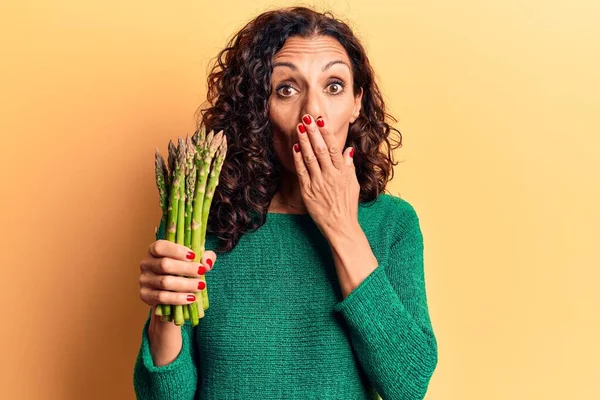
column 160, row 284
column 166, row 271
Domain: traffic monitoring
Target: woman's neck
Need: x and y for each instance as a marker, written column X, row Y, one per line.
column 288, row 199
column 278, row 208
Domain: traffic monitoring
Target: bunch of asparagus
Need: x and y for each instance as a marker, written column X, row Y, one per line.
column 186, row 190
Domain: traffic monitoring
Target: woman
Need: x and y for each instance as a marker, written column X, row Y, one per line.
column 319, row 292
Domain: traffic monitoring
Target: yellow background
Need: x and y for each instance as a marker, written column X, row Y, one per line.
column 498, row 105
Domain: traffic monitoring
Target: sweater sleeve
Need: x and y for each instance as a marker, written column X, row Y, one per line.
column 388, row 319
column 174, row 381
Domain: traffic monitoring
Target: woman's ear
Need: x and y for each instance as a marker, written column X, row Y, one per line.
column 357, row 105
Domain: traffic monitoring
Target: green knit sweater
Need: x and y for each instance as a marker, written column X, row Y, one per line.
column 278, row 326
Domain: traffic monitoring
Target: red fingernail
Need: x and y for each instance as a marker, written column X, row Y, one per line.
column 320, row 123
column 351, row 153
column 201, row 285
column 301, row 128
column 201, row 270
column 191, row 297
column 209, row 262
column 297, row 148
column 306, row 119
column 190, row 255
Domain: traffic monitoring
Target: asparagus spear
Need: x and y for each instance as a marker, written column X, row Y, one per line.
column 212, row 184
column 208, row 196
column 186, row 312
column 172, row 157
column 203, row 164
column 190, row 185
column 180, row 233
column 197, row 135
column 162, row 182
column 203, row 141
column 190, row 182
column 197, row 142
column 173, row 209
column 162, row 179
column 181, row 165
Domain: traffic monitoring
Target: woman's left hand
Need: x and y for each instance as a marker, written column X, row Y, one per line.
column 327, row 178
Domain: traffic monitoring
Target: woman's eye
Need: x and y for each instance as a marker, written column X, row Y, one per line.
column 338, row 88
column 285, row 91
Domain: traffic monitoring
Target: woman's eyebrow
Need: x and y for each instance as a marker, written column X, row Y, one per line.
column 285, row 64
column 329, row 64
column 294, row 68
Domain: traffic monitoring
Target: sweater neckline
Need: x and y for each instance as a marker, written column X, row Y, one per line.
column 287, row 215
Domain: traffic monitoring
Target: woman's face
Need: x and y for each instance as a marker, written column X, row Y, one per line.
column 311, row 76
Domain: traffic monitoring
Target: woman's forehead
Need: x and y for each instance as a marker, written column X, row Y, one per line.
column 320, row 46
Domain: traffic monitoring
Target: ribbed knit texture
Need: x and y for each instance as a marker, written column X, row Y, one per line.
column 278, row 327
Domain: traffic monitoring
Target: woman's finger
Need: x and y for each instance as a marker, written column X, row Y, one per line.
column 166, row 248
column 308, row 155
column 208, row 259
column 169, row 266
column 336, row 157
column 172, row 283
column 318, row 144
column 153, row 297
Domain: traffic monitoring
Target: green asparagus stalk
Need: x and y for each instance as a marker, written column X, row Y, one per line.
column 186, row 312
column 180, row 233
column 197, row 308
column 173, row 209
column 199, row 142
column 175, row 194
column 196, row 137
column 172, row 157
column 190, row 186
column 208, row 196
column 203, row 164
column 181, row 165
column 162, row 182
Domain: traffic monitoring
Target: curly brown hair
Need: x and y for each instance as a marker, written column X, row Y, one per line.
column 239, row 87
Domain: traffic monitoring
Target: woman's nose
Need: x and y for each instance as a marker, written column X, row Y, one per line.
column 312, row 105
